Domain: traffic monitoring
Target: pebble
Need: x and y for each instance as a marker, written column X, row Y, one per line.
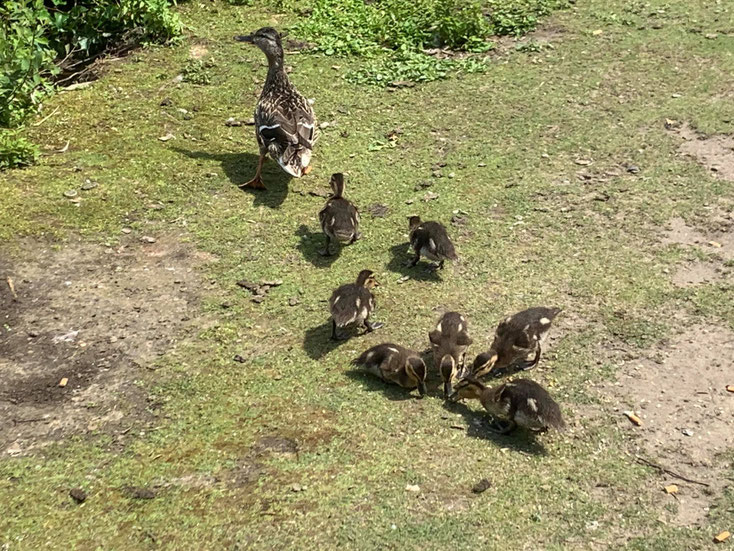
column 413, row 488
column 70, row 193
column 147, row 239
column 78, row 495
column 481, row 486
column 89, row 184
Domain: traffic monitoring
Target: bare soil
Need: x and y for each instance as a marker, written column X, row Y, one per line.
column 678, row 389
column 714, row 152
column 97, row 317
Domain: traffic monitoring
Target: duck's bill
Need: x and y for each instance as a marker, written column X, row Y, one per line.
column 244, row 38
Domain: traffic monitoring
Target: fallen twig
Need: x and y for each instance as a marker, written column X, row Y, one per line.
column 668, row 471
column 12, row 288
column 44, row 119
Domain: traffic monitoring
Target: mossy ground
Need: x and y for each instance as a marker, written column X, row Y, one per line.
column 540, row 229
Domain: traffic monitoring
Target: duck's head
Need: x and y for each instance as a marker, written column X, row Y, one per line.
column 366, row 278
column 267, row 39
column 484, row 363
column 337, row 184
column 417, row 368
column 467, row 387
column 414, row 222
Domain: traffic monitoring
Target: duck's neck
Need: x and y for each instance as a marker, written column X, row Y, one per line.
column 276, row 72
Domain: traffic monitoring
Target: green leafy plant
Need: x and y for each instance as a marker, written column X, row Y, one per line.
column 39, row 39
column 16, row 151
column 395, row 34
column 26, row 59
column 195, row 72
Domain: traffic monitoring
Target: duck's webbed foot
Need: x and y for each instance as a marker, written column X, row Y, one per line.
column 501, row 427
column 372, row 325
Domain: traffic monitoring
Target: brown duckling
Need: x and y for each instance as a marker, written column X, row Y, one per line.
column 339, row 218
column 449, row 341
column 395, row 364
column 431, row 240
column 519, row 402
column 516, row 338
column 285, row 125
column 352, row 304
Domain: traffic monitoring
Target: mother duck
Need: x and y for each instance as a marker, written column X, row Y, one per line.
column 284, row 120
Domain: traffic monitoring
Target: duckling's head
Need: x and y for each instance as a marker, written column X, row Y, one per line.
column 366, row 278
column 484, row 363
column 468, row 387
column 337, row 184
column 417, row 368
column 414, row 222
column 267, row 39
column 447, row 367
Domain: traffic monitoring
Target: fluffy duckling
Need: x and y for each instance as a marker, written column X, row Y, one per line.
column 352, row 304
column 520, row 402
column 284, row 120
column 339, row 218
column 449, row 341
column 395, row 364
column 516, row 338
column 431, row 240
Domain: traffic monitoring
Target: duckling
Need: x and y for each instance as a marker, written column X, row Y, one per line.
column 339, row 218
column 449, row 341
column 395, row 364
column 516, row 338
column 285, row 124
column 353, row 303
column 519, row 402
column 431, row 240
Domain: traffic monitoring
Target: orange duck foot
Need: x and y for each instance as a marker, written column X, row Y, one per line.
column 255, row 183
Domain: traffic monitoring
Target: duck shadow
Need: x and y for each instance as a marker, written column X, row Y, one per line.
column 419, row 272
column 477, row 424
column 311, row 243
column 317, row 341
column 392, row 392
column 240, row 168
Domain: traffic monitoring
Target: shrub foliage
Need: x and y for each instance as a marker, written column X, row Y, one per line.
column 37, row 36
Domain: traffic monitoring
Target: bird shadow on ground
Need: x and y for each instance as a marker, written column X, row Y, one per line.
column 478, row 427
column 370, row 383
column 317, row 341
column 399, row 264
column 240, row 168
column 311, row 243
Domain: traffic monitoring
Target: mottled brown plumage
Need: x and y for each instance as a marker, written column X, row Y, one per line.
column 519, row 402
column 395, row 364
column 339, row 218
column 431, row 240
column 353, row 303
column 516, row 338
column 285, row 125
column 449, row 341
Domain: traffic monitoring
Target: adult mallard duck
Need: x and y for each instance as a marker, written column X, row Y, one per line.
column 285, row 126
column 516, row 338
column 520, row 402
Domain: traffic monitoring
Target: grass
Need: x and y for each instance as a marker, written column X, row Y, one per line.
column 535, row 235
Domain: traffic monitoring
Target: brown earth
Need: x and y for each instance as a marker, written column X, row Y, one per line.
column 98, row 317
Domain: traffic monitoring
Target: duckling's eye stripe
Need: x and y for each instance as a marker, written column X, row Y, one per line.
column 265, row 127
column 301, row 123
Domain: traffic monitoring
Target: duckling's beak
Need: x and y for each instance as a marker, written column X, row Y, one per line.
column 454, row 396
column 244, row 38
column 422, row 391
